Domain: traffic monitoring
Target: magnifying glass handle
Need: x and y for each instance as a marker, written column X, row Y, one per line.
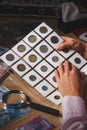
column 44, row 108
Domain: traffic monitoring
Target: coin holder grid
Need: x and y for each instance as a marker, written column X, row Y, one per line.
column 9, row 57
column 45, row 30
column 21, row 67
column 40, row 36
column 21, row 48
column 44, row 88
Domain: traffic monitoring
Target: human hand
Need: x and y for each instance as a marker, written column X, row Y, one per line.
column 75, row 44
column 69, row 80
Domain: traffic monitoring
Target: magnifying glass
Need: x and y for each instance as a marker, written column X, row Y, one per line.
column 18, row 99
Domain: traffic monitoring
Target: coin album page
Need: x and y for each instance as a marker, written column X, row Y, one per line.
column 35, row 59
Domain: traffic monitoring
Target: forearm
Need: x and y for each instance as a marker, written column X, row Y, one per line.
column 74, row 113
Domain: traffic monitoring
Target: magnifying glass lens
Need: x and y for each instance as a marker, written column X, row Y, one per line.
column 15, row 98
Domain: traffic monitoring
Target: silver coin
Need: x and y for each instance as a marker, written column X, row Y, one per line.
column 9, row 57
column 32, row 77
column 21, row 48
column 54, row 39
column 44, row 88
column 44, row 49
column 44, row 68
column 77, row 60
column 55, row 59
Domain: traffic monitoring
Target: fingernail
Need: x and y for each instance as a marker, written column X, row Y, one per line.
column 65, row 62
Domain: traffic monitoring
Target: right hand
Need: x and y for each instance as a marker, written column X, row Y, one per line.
column 69, row 80
column 75, row 44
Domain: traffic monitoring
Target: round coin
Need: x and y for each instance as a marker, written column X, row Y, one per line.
column 32, row 77
column 44, row 88
column 32, row 38
column 54, row 79
column 44, row 49
column 43, row 29
column 55, row 59
column 54, row 39
column 9, row 57
column 57, row 97
column 77, row 60
column 66, row 50
column 21, row 67
column 32, row 58
column 21, row 48
column 44, row 68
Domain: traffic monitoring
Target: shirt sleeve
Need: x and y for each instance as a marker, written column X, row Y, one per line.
column 74, row 113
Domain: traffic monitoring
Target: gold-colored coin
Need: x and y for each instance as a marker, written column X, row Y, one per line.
column 57, row 97
column 21, row 67
column 43, row 29
column 32, row 58
column 32, row 38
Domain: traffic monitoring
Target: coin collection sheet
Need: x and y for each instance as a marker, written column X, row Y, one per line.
column 35, row 59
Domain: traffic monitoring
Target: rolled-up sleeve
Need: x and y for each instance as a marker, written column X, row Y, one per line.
column 74, row 113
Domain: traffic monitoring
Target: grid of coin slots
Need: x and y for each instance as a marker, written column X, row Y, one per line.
column 35, row 58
